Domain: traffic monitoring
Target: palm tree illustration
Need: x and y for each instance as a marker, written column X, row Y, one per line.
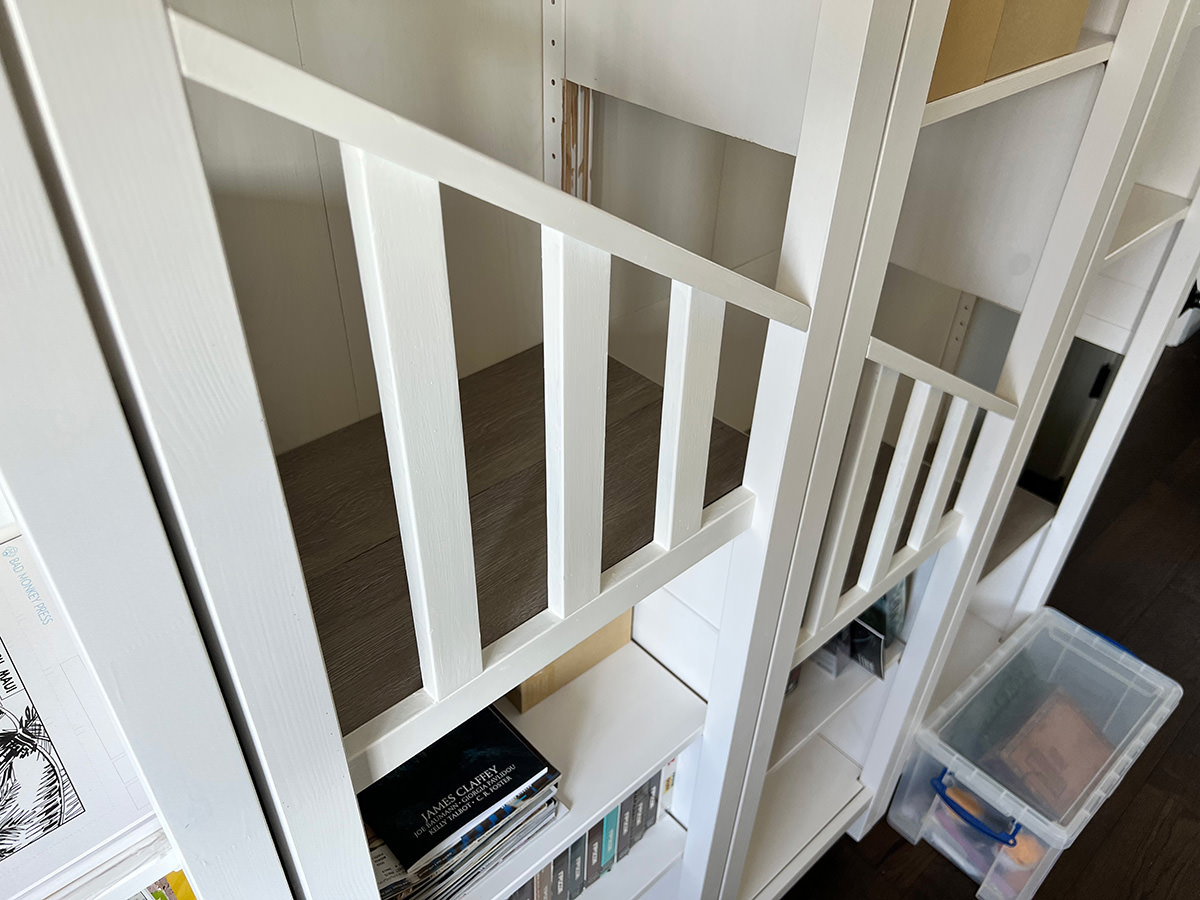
column 21, row 821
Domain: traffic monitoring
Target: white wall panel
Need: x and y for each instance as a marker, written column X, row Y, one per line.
column 740, row 69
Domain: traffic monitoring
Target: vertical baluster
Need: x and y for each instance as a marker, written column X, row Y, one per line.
column 397, row 219
column 575, row 281
column 951, row 444
column 693, row 353
column 871, row 407
column 902, row 475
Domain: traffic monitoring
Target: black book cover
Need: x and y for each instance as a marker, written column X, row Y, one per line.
column 559, row 889
column 640, row 797
column 652, row 787
column 578, row 868
column 524, row 892
column 445, row 788
column 595, row 844
column 625, row 828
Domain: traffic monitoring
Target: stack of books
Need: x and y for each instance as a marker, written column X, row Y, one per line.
column 607, row 842
column 458, row 808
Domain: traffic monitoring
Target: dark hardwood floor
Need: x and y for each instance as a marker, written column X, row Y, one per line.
column 1134, row 575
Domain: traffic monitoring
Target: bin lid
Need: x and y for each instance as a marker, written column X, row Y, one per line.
column 1046, row 728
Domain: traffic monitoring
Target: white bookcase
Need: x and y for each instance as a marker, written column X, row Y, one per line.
column 271, row 224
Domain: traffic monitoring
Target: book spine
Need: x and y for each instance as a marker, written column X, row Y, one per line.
column 612, row 824
column 595, row 848
column 543, row 883
column 662, row 788
column 640, row 797
column 562, row 867
column 524, row 892
column 578, row 867
column 625, row 827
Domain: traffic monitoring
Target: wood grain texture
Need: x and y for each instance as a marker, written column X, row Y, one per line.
column 575, row 292
column 397, row 218
column 690, row 391
column 349, row 538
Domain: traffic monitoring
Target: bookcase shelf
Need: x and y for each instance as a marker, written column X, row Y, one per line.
column 817, row 699
column 1093, row 48
column 607, row 731
column 649, row 860
column 1147, row 213
column 807, row 804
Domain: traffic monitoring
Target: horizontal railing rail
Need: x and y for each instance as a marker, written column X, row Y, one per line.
column 210, row 58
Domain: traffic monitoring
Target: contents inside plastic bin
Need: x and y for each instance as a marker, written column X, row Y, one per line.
column 1010, row 768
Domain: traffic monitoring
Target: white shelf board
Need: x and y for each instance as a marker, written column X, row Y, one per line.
column 126, row 873
column 650, row 859
column 1148, row 212
column 1024, row 517
column 819, row 697
column 1093, row 48
column 1103, row 333
column 607, row 731
column 807, row 804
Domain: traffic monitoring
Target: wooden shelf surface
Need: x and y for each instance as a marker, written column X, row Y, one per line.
column 1093, row 48
column 608, row 731
column 807, row 804
column 1025, row 516
column 1147, row 213
column 816, row 700
column 339, row 495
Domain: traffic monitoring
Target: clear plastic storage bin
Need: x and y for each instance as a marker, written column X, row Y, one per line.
column 1011, row 767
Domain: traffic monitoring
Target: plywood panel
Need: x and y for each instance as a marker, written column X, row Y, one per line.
column 985, row 186
column 739, row 70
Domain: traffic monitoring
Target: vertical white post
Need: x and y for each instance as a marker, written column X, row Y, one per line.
column 871, row 408
column 902, row 475
column 70, row 468
column 109, row 93
column 855, row 58
column 956, row 429
column 575, row 282
column 693, row 352
column 397, row 219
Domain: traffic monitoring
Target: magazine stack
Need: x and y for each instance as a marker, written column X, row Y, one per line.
column 457, row 809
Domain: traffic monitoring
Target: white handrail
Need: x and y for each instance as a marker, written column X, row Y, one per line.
column 219, row 62
column 906, row 364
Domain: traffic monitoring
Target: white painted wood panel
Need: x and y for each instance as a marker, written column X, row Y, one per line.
column 985, row 185
column 470, row 70
column 871, row 408
column 956, row 429
column 397, row 218
column 213, row 59
column 1093, row 49
column 121, row 136
column 585, row 729
column 266, row 190
column 1147, row 213
column 901, row 477
column 678, row 637
column 1171, row 160
column 907, row 364
column 72, row 472
column 693, row 353
column 742, row 73
column 804, row 795
column 575, row 285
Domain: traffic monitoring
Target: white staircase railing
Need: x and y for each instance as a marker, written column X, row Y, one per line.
column 393, row 172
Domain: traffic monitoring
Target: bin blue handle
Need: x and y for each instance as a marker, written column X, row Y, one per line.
column 1008, row 839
